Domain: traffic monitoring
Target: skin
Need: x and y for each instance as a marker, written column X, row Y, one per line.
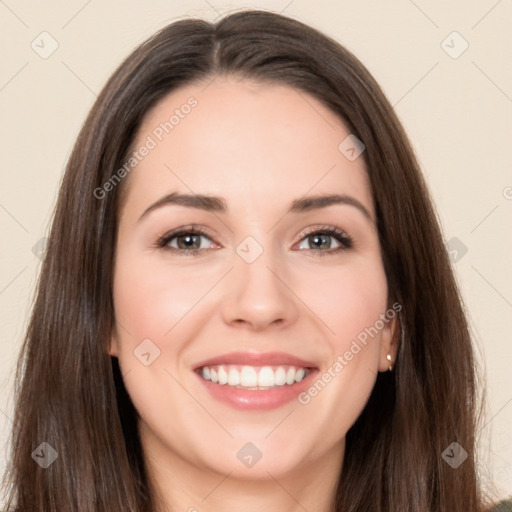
column 258, row 146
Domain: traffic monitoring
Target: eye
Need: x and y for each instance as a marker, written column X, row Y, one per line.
column 193, row 240
column 186, row 240
column 326, row 240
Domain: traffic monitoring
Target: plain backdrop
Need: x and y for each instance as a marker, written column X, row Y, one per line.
column 445, row 67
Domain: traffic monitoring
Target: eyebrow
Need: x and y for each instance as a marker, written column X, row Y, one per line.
column 219, row 205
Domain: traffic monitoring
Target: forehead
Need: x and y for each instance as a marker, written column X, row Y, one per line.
column 244, row 141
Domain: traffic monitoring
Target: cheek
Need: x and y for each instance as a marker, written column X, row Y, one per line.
column 346, row 299
column 158, row 309
column 152, row 298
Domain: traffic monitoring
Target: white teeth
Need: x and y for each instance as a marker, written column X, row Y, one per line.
column 223, row 376
column 266, row 377
column 290, row 376
column 248, row 377
column 299, row 375
column 254, row 377
column 233, row 377
column 280, row 376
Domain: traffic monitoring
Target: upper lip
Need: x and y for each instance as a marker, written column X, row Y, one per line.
column 257, row 359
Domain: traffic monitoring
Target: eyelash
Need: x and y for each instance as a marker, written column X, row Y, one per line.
column 340, row 236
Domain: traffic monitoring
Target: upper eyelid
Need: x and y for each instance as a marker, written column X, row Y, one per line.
column 205, row 231
column 201, row 231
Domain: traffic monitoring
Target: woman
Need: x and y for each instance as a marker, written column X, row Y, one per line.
column 246, row 301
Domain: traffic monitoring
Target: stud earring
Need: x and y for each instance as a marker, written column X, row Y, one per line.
column 390, row 367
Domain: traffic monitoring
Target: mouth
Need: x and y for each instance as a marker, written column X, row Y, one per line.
column 253, row 377
column 255, row 381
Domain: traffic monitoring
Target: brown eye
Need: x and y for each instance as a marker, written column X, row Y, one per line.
column 320, row 241
column 186, row 240
column 189, row 241
column 327, row 240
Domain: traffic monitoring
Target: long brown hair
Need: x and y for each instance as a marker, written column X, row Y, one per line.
column 70, row 392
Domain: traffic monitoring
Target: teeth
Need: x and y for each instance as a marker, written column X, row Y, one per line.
column 233, row 377
column 248, row 377
column 280, row 376
column 223, row 376
column 299, row 375
column 266, row 377
column 254, row 377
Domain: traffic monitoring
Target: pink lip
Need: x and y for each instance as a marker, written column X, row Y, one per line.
column 255, row 359
column 257, row 400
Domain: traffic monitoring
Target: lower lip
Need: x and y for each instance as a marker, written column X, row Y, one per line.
column 254, row 399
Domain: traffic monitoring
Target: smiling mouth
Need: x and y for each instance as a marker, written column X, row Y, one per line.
column 254, row 377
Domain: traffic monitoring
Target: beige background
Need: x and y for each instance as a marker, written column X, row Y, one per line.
column 457, row 112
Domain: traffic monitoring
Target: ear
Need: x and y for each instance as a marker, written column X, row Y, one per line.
column 389, row 341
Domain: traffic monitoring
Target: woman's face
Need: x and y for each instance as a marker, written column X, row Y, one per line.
column 273, row 271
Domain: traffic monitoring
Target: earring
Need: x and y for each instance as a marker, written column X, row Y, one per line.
column 390, row 367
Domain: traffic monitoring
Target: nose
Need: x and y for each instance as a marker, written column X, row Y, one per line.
column 258, row 295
